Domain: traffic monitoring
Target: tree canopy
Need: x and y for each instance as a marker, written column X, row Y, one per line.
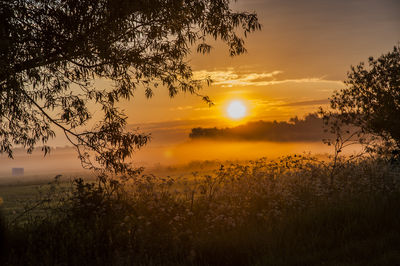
column 371, row 100
column 51, row 52
column 307, row 129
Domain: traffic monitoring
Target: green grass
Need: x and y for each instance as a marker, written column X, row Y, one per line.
column 285, row 212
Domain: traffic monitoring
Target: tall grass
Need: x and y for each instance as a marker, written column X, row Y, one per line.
column 292, row 211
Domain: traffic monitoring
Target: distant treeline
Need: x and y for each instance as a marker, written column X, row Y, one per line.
column 310, row 128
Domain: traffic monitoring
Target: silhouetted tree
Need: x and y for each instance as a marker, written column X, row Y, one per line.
column 308, row 129
column 52, row 51
column 370, row 101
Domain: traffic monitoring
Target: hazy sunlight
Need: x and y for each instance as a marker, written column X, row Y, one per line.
column 236, row 109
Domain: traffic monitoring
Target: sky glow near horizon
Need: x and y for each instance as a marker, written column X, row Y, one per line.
column 293, row 65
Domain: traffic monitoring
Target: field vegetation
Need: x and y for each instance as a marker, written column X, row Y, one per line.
column 297, row 210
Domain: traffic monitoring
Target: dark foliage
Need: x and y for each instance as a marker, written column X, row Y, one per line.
column 51, row 52
column 2, row 234
column 263, row 213
column 370, row 101
column 308, row 129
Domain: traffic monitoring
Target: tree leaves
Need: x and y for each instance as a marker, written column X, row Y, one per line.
column 52, row 51
column 371, row 100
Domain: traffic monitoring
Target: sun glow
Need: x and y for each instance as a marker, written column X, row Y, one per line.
column 236, row 109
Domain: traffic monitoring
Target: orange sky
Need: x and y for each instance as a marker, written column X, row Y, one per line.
column 292, row 66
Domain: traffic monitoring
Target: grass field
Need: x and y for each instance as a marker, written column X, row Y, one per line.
column 16, row 193
column 292, row 211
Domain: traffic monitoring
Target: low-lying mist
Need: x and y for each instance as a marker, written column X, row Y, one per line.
column 65, row 161
column 200, row 150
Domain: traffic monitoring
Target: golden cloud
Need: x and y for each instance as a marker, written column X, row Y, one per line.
column 230, row 78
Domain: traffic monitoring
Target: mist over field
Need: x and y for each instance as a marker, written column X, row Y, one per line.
column 61, row 161
column 179, row 145
column 64, row 160
column 225, row 150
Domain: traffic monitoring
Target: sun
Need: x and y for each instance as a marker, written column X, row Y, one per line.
column 236, row 109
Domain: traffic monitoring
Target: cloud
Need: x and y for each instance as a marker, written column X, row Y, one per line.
column 178, row 124
column 230, row 78
column 181, row 108
column 307, row 103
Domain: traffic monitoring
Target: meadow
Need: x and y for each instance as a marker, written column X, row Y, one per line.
column 296, row 210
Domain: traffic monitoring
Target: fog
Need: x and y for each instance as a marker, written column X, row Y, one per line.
column 229, row 150
column 64, row 160
column 60, row 161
